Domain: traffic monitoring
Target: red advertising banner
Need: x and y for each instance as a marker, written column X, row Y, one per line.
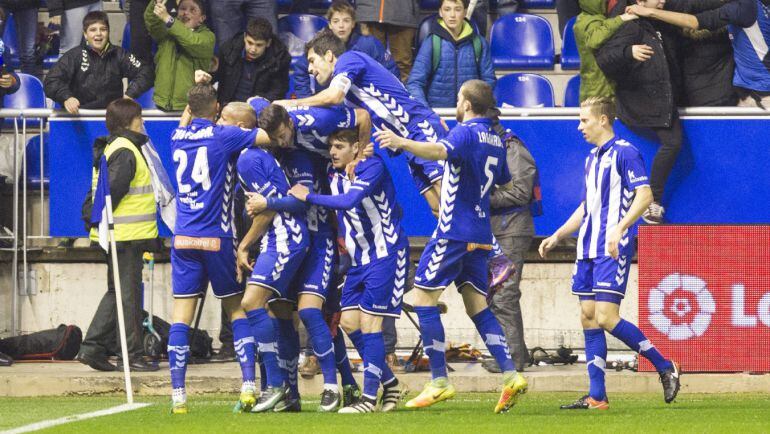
column 704, row 296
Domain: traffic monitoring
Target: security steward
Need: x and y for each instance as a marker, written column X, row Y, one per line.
column 136, row 231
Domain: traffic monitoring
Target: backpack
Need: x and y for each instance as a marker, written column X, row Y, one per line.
column 436, row 52
column 61, row 343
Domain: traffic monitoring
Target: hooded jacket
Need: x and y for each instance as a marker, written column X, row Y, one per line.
column 592, row 29
column 404, row 13
column 457, row 64
column 181, row 51
column 271, row 70
column 97, row 79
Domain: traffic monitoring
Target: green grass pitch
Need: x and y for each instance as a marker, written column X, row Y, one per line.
column 467, row 413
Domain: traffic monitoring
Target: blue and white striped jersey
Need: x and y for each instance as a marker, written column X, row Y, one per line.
column 311, row 170
column 476, row 161
column 371, row 221
column 613, row 172
column 750, row 49
column 259, row 172
column 369, row 85
column 313, row 125
column 204, row 157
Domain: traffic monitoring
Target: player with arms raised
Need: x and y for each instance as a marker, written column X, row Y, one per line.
column 203, row 247
column 458, row 251
column 615, row 195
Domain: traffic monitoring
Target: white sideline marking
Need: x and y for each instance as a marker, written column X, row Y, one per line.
column 74, row 418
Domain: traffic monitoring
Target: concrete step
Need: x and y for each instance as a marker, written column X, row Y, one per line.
column 72, row 378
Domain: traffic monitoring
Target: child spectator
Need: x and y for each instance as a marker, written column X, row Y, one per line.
column 69, row 14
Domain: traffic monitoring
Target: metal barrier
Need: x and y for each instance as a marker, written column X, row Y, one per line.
column 20, row 231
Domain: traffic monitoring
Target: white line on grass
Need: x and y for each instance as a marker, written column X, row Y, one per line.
column 74, row 418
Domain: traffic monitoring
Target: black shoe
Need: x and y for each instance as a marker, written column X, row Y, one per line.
column 587, row 403
column 330, row 400
column 351, row 394
column 225, row 354
column 98, row 363
column 138, row 365
column 670, row 380
column 289, row 403
column 5, row 360
column 491, row 366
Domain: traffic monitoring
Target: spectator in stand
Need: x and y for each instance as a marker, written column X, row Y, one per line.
column 342, row 22
column 642, row 59
column 592, row 29
column 478, row 12
column 565, row 10
column 512, row 208
column 141, row 42
column 450, row 55
column 69, row 15
column 748, row 22
column 394, row 23
column 253, row 63
column 707, row 68
column 230, row 17
column 25, row 14
column 91, row 75
column 185, row 44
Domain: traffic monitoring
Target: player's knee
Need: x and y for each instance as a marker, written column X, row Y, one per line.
column 607, row 320
column 348, row 325
column 424, row 298
column 310, row 314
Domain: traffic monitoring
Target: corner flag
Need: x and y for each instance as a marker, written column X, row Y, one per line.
column 101, row 213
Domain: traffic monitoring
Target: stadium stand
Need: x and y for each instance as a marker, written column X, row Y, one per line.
column 524, row 90
column 572, row 92
column 522, row 41
column 297, row 29
column 30, row 94
column 34, row 178
column 570, row 58
column 424, row 29
column 538, row 4
column 11, row 54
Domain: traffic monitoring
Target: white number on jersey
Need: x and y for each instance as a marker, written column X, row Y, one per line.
column 200, row 169
column 491, row 162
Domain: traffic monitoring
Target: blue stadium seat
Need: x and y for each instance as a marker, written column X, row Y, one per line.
column 29, row 95
column 424, row 29
column 295, row 30
column 145, row 100
column 321, row 4
column 11, row 40
column 522, row 41
column 34, row 179
column 572, row 92
column 570, row 58
column 524, row 90
column 430, row 5
column 538, row 4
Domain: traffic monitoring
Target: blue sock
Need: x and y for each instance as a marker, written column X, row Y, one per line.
column 178, row 353
column 341, row 358
column 432, row 332
column 288, row 352
column 264, row 334
column 374, row 361
column 596, row 361
column 356, row 337
column 490, row 330
column 243, row 341
column 635, row 339
column 321, row 341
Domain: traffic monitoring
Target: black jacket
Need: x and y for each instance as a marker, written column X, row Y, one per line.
column 20, row 5
column 96, row 80
column 57, row 7
column 647, row 92
column 707, row 69
column 272, row 70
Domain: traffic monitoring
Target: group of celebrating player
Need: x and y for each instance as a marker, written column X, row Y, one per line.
column 309, row 160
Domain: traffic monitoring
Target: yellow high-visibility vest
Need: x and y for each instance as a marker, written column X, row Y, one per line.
column 135, row 215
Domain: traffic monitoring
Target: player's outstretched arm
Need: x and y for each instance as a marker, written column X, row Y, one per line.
column 569, row 227
column 642, row 200
column 427, row 150
column 258, row 228
column 325, row 98
column 345, row 201
column 685, row 21
column 186, row 117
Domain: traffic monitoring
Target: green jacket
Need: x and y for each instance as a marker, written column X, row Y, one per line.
column 180, row 52
column 592, row 30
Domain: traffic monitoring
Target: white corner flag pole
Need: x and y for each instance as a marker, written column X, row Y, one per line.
column 119, row 302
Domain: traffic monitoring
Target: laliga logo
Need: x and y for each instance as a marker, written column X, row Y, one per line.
column 681, row 307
